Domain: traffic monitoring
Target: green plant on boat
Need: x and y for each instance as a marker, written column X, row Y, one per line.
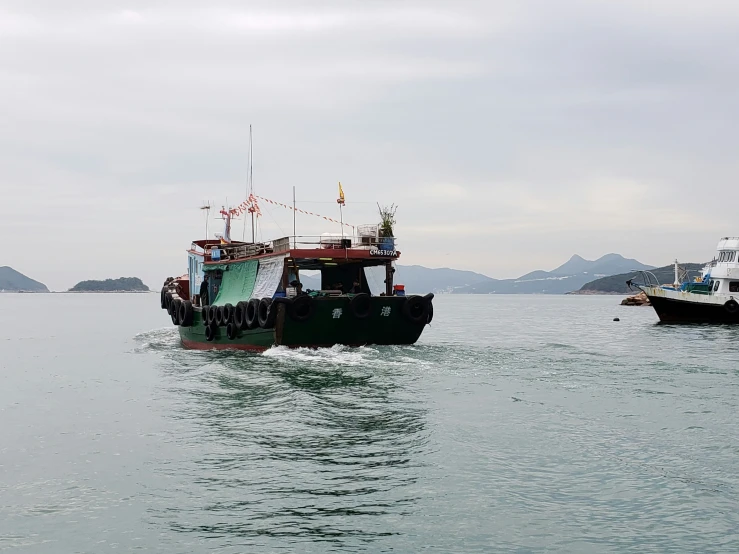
column 387, row 219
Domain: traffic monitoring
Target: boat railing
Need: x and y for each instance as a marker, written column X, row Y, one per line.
column 241, row 250
column 229, row 252
column 649, row 279
column 338, row 241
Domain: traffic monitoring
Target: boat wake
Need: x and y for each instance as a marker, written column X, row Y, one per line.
column 348, row 356
column 158, row 339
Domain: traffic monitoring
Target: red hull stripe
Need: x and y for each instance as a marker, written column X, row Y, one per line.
column 197, row 345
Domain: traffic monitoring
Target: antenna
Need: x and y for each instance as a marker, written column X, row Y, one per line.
column 206, row 207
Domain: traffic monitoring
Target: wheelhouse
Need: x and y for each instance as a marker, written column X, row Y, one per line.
column 337, row 265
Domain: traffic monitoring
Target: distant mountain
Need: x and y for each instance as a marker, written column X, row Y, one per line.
column 568, row 277
column 123, row 284
column 605, row 265
column 417, row 279
column 421, row 280
column 14, row 281
column 616, row 284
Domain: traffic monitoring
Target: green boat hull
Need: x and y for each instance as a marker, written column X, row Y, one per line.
column 332, row 322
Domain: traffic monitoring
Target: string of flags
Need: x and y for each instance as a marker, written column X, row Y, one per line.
column 298, row 210
column 251, row 206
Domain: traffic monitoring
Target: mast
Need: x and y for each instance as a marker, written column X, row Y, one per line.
column 677, row 274
column 251, row 180
column 294, row 211
column 250, row 188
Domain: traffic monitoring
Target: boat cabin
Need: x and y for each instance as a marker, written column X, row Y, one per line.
column 238, row 270
column 721, row 275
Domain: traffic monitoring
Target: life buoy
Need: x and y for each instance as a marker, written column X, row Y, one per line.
column 301, row 308
column 186, row 313
column 175, row 311
column 731, row 306
column 231, row 330
column 240, row 315
column 219, row 316
column 266, row 315
column 252, row 314
column 416, row 309
column 210, row 332
column 361, row 306
column 228, row 313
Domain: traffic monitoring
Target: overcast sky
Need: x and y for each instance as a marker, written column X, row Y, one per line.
column 511, row 134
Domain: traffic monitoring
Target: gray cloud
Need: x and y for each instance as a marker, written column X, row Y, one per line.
column 512, row 134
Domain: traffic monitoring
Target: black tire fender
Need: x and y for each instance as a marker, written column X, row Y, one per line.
column 361, row 306
column 219, row 316
column 175, row 311
column 301, row 308
column 266, row 314
column 185, row 313
column 228, row 313
column 231, row 330
column 240, row 315
column 416, row 309
column 212, row 313
column 252, row 314
column 731, row 306
column 210, row 332
column 429, row 297
column 163, row 298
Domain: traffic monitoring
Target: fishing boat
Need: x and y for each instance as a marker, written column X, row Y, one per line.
column 253, row 298
column 710, row 297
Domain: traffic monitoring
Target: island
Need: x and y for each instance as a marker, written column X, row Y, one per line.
column 14, row 281
column 122, row 284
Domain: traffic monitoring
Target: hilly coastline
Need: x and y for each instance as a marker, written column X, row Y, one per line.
column 568, row 277
column 616, row 284
column 14, row 281
column 122, row 284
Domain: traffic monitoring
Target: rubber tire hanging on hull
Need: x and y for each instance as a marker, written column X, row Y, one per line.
column 185, row 313
column 361, row 306
column 212, row 313
column 231, row 330
column 252, row 314
column 228, row 313
column 266, row 314
column 175, row 311
column 240, row 315
column 416, row 309
column 219, row 316
column 210, row 332
column 731, row 306
column 302, row 308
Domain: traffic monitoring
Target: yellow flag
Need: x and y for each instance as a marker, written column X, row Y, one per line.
column 340, row 200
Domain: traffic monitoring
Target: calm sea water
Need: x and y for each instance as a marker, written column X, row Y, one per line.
column 517, row 424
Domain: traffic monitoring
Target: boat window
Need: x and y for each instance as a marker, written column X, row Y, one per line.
column 715, row 285
column 734, row 286
column 731, row 255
